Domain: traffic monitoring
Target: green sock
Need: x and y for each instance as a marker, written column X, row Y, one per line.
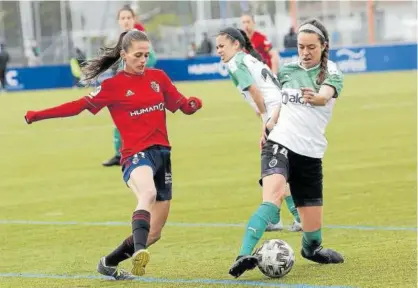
column 267, row 212
column 311, row 241
column 292, row 208
column 116, row 141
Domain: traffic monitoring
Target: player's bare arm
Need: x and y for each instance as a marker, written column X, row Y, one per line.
column 274, row 61
column 259, row 101
column 321, row 98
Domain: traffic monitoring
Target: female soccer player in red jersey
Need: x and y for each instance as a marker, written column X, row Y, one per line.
column 126, row 20
column 137, row 98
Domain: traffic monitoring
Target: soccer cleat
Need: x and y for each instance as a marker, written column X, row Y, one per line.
column 140, row 259
column 114, row 161
column 115, row 272
column 324, row 256
column 242, row 264
column 275, row 227
column 295, row 227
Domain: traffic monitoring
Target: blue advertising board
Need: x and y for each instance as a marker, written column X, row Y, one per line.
column 349, row 59
column 41, row 77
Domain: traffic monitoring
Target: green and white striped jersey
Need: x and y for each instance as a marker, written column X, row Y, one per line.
column 301, row 126
column 245, row 71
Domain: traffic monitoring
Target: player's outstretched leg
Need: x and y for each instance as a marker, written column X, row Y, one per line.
column 113, row 271
column 256, row 226
column 108, row 265
column 312, row 249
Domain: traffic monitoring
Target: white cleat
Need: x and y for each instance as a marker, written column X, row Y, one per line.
column 275, row 227
column 296, row 227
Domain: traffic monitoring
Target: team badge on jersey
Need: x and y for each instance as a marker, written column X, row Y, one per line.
column 155, row 86
column 273, row 162
column 129, row 93
column 95, row 92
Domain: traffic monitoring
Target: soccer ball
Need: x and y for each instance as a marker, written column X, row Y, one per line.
column 275, row 258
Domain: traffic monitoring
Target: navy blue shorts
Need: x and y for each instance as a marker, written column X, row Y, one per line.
column 158, row 158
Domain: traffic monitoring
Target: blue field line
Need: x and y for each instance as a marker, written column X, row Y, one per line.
column 200, row 225
column 173, row 280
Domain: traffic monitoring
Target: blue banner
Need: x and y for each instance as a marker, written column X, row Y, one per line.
column 42, row 77
column 369, row 59
column 349, row 59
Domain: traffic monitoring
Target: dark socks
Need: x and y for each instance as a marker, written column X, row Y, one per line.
column 123, row 252
column 140, row 228
column 311, row 241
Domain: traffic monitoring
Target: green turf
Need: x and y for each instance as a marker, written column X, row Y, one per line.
column 51, row 172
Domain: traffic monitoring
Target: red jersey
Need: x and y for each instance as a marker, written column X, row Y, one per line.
column 262, row 46
column 137, row 105
column 139, row 27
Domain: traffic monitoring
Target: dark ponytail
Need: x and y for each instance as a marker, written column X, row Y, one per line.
column 324, row 38
column 106, row 59
column 324, row 65
column 110, row 56
column 249, row 47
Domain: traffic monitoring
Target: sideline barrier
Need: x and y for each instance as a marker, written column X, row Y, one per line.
column 349, row 59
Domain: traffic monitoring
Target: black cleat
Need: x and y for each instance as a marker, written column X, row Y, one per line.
column 242, row 264
column 114, row 161
column 113, row 271
column 324, row 256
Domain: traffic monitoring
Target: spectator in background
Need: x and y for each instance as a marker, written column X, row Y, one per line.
column 80, row 56
column 76, row 63
column 4, row 60
column 206, row 46
column 260, row 43
column 32, row 53
column 291, row 39
column 192, row 50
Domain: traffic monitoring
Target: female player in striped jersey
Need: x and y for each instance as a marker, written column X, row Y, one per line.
column 295, row 147
column 126, row 21
column 258, row 85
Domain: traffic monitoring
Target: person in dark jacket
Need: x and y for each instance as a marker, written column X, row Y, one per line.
column 290, row 39
column 4, row 60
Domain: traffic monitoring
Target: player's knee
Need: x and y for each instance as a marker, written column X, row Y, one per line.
column 149, row 195
column 274, row 189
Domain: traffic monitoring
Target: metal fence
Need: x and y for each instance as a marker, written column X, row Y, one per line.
column 47, row 32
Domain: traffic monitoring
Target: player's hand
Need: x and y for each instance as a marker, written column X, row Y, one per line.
column 263, row 140
column 195, row 103
column 30, row 117
column 308, row 95
column 264, row 135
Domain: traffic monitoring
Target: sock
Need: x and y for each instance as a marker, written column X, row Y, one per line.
column 311, row 241
column 140, row 228
column 116, row 141
column 267, row 212
column 292, row 208
column 123, row 252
